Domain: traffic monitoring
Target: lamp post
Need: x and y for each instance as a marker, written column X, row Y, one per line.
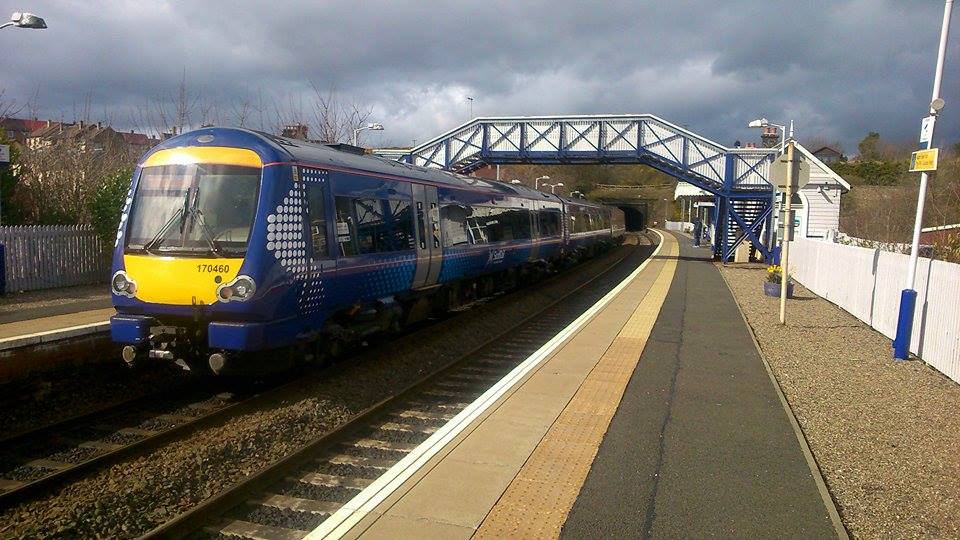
column 555, row 186
column 908, row 297
column 788, row 215
column 25, row 20
column 536, row 182
column 376, row 126
column 470, row 99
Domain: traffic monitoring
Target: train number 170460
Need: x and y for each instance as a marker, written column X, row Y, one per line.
column 213, row 268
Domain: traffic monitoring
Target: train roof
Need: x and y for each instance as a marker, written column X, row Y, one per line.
column 276, row 149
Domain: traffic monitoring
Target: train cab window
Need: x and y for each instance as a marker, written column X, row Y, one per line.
column 317, row 220
column 346, row 228
column 453, row 221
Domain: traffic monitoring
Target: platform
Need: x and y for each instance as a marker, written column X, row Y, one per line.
column 655, row 417
column 45, row 329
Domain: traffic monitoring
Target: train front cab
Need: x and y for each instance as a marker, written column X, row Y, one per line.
column 184, row 270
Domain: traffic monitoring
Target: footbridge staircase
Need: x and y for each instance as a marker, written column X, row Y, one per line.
column 737, row 178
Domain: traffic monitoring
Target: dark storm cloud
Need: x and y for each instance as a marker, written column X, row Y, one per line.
column 837, row 68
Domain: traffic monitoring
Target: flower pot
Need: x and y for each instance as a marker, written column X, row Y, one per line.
column 773, row 289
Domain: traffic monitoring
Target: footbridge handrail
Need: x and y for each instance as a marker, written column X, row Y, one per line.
column 621, row 138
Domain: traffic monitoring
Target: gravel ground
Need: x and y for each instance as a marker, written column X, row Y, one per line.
column 50, row 397
column 886, row 435
column 132, row 497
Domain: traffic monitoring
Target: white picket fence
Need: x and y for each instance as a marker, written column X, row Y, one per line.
column 867, row 283
column 48, row 256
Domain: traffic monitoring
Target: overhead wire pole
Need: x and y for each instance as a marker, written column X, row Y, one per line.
column 908, row 297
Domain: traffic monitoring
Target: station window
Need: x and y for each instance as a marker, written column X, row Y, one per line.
column 317, row 220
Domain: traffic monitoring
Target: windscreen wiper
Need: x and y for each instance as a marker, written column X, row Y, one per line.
column 198, row 218
column 163, row 230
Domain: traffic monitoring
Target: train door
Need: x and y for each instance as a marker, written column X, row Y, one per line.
column 429, row 246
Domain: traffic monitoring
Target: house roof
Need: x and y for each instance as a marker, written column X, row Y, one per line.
column 819, row 168
column 830, row 149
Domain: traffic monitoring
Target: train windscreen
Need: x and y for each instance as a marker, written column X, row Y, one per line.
column 198, row 209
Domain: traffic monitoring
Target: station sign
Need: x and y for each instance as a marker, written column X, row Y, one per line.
column 801, row 171
column 924, row 160
column 926, row 129
column 4, row 153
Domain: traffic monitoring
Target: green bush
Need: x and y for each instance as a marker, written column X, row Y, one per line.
column 107, row 204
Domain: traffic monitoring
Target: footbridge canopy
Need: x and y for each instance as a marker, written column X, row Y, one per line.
column 738, row 178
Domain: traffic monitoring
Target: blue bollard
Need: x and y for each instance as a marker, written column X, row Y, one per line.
column 901, row 344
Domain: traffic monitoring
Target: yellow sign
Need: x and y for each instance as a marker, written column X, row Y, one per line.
column 924, row 160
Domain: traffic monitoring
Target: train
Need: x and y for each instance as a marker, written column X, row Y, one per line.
column 233, row 243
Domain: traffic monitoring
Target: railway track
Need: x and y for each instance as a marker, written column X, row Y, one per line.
column 39, row 460
column 295, row 495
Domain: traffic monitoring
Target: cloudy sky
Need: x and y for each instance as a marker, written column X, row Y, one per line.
column 839, row 69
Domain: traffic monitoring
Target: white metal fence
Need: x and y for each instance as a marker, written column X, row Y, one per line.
column 44, row 257
column 867, row 283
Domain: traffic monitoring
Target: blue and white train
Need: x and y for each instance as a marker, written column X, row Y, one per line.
column 234, row 242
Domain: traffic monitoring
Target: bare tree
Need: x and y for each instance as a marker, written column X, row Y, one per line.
column 333, row 119
column 170, row 113
column 8, row 107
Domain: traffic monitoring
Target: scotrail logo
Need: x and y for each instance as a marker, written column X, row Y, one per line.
column 496, row 255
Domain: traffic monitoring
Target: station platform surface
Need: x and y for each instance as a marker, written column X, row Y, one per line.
column 655, row 418
column 22, row 333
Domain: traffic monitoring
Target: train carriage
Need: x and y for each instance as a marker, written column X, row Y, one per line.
column 233, row 241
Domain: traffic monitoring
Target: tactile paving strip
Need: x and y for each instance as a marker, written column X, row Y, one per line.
column 537, row 502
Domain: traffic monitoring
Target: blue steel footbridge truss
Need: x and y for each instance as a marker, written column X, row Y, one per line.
column 737, row 178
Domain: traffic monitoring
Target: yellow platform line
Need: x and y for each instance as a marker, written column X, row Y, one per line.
column 537, row 501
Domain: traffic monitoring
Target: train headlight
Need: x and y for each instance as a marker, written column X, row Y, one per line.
column 122, row 285
column 240, row 289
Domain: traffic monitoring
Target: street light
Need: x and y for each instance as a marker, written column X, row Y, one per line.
column 536, row 182
column 25, row 20
column 555, row 186
column 908, row 296
column 376, row 126
column 787, row 215
column 763, row 122
column 470, row 99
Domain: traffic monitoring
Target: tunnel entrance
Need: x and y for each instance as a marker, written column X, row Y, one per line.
column 634, row 218
column 635, row 211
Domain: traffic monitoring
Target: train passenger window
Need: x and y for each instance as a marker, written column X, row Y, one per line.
column 346, row 229
column 401, row 221
column 373, row 235
column 317, row 220
column 521, row 225
column 453, row 221
column 549, row 222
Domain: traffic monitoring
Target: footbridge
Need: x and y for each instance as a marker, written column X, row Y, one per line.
column 737, row 178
